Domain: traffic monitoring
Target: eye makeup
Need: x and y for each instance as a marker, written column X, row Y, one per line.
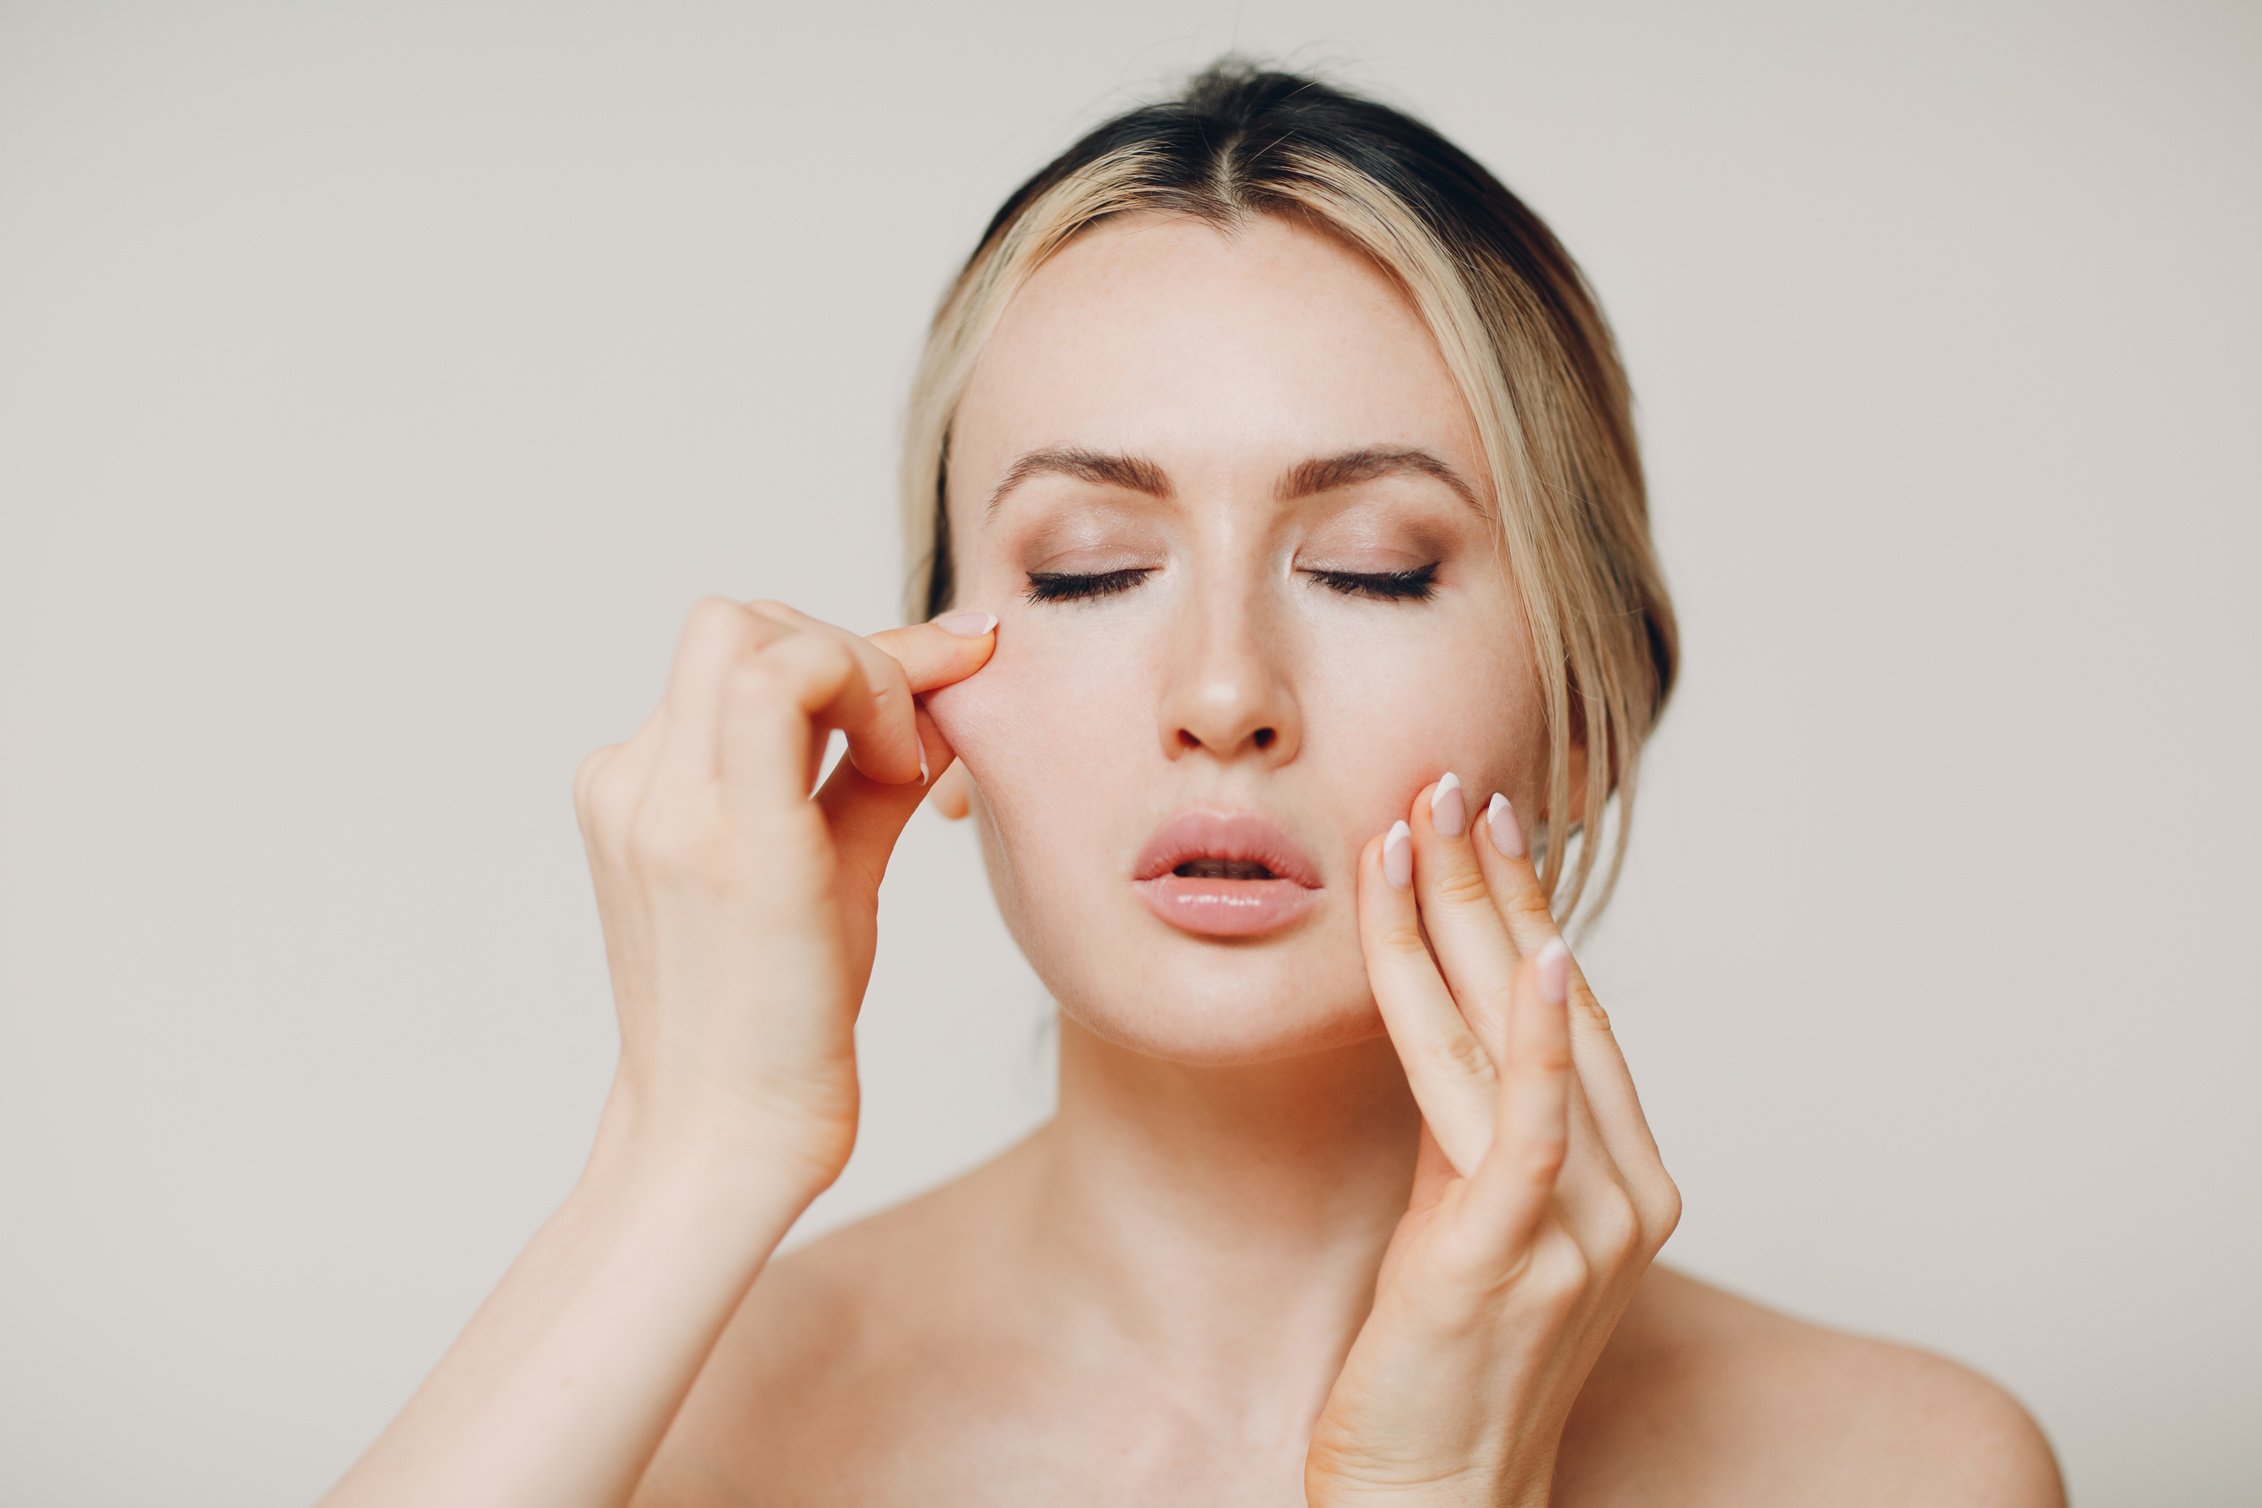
column 1415, row 585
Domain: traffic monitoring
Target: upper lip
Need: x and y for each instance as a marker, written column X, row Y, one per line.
column 1202, row 833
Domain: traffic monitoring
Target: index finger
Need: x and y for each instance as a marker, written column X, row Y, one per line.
column 917, row 656
column 871, row 706
column 1531, row 923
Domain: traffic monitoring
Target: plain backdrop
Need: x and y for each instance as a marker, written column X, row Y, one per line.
column 380, row 384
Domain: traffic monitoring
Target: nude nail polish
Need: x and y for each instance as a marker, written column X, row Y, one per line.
column 966, row 623
column 1500, row 822
column 1554, row 971
column 1398, row 855
column 1448, row 811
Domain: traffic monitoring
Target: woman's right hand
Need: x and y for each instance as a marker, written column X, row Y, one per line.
column 739, row 911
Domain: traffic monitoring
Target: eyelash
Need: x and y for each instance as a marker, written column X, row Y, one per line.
column 1415, row 585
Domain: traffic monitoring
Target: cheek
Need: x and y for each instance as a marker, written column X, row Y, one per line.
column 1403, row 723
column 1032, row 726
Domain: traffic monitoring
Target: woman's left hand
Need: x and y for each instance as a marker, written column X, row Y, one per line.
column 1539, row 1197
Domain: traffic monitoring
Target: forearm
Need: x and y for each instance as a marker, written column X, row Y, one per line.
column 559, row 1390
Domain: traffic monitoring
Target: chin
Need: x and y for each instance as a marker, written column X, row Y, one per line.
column 1151, row 989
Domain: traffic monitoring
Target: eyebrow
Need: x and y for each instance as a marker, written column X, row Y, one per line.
column 1304, row 479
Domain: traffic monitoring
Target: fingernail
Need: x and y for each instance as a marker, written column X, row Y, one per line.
column 1500, row 822
column 1398, row 855
column 1448, row 813
column 922, row 764
column 966, row 623
column 1554, row 971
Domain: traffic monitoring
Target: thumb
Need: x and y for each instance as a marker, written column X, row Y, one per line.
column 867, row 816
column 950, row 648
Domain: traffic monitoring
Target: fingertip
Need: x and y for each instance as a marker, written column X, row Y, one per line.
column 1554, row 964
column 1398, row 855
column 966, row 623
column 1448, row 806
column 1502, row 828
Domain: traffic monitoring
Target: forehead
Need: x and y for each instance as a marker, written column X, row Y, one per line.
column 1211, row 351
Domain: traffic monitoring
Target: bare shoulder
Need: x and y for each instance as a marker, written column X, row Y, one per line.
column 836, row 1368
column 1715, row 1397
column 789, row 1326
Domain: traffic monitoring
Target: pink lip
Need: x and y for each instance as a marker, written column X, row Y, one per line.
column 1221, row 907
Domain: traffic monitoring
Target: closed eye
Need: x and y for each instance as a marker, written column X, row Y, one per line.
column 1064, row 586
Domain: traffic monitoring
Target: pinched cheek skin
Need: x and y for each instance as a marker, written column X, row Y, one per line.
column 1037, row 734
column 1029, row 726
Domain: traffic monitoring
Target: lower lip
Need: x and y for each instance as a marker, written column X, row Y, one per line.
column 1226, row 908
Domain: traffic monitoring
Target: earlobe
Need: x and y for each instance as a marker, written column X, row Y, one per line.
column 951, row 794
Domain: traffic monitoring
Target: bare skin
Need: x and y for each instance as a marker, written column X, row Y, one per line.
column 906, row 1358
column 1216, row 1275
column 1147, row 1299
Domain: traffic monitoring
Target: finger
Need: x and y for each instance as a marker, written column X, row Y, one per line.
column 609, row 784
column 1511, row 1190
column 1593, row 1196
column 885, row 745
column 1448, row 1069
column 1466, row 933
column 1433, row 1172
column 772, row 700
column 950, row 648
column 1609, row 1083
column 1469, row 936
column 868, row 816
column 717, row 634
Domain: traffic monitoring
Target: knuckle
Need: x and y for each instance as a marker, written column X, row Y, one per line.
column 1544, row 1157
column 1524, row 896
column 805, row 662
column 1551, row 1060
column 835, row 658
column 1405, row 936
column 585, row 775
column 605, row 799
column 714, row 616
column 1461, row 1054
column 891, row 687
column 756, row 681
column 1618, row 1226
column 1668, row 1216
column 1463, row 885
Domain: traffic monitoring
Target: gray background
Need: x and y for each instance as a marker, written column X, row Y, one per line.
column 379, row 385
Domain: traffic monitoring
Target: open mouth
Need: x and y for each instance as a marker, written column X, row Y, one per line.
column 1226, row 874
column 1224, row 869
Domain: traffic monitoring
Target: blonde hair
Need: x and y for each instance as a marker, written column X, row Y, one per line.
column 1521, row 332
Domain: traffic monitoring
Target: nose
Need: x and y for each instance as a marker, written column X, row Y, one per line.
column 1228, row 691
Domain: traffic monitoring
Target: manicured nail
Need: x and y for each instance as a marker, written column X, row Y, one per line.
column 922, row 764
column 1448, row 812
column 1500, row 822
column 966, row 623
column 1398, row 855
column 1554, row 971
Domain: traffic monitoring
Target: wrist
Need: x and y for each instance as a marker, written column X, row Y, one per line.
column 726, row 1158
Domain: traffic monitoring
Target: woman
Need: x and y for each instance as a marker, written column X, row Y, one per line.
column 1273, row 485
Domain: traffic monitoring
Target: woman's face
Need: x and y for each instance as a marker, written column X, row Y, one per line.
column 1230, row 675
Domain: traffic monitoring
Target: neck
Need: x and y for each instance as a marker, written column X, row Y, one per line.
column 1223, row 1224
